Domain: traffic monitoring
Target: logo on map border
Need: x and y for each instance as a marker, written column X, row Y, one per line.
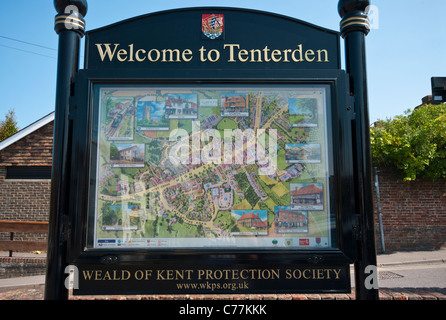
column 212, row 26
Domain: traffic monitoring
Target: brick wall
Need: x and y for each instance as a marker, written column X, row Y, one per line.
column 413, row 213
column 26, row 199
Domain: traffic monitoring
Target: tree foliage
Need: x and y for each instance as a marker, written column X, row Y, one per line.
column 8, row 126
column 414, row 143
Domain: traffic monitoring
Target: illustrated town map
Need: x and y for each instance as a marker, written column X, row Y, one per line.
column 230, row 167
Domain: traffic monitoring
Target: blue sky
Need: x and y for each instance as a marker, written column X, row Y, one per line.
column 406, row 50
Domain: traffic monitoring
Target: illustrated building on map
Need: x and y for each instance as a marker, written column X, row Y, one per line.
column 309, row 195
column 290, row 219
column 252, row 220
column 297, row 153
column 130, row 154
column 234, row 103
column 180, row 106
column 305, row 152
column 146, row 111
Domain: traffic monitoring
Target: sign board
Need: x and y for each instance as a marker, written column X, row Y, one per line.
column 212, row 155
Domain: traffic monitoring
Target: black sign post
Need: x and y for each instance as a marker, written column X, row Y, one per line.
column 354, row 27
column 70, row 27
column 210, row 155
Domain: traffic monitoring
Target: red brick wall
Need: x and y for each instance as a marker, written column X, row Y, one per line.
column 26, row 199
column 413, row 213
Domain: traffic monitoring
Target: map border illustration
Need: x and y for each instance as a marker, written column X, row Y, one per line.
column 169, row 174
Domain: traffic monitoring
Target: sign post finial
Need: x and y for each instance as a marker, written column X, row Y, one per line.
column 354, row 16
column 70, row 15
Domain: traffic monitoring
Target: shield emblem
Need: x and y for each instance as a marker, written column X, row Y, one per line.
column 212, row 25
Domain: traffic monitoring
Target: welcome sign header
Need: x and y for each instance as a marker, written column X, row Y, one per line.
column 202, row 37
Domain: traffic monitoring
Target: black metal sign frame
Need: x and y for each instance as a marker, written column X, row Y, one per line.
column 117, row 55
column 310, row 270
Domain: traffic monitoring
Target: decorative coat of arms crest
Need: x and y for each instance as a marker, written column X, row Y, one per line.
column 212, row 25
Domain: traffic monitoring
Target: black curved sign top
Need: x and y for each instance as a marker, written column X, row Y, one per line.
column 212, row 38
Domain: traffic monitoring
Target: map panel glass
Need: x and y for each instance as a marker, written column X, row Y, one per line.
column 212, row 167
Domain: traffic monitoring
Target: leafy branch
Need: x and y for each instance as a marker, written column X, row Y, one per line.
column 414, row 143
